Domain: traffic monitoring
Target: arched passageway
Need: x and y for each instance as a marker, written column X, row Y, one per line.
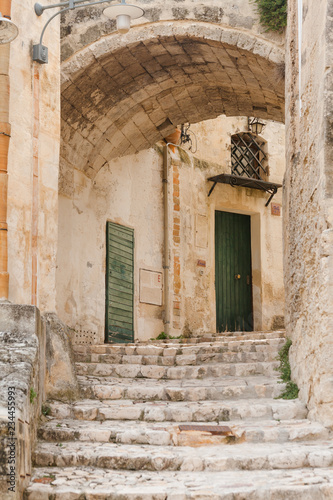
column 122, row 95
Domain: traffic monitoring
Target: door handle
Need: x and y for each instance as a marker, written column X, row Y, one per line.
column 237, row 276
column 248, row 279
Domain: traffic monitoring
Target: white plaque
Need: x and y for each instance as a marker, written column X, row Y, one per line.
column 151, row 286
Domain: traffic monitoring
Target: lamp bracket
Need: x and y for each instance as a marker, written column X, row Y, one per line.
column 71, row 4
column 252, row 123
column 40, row 52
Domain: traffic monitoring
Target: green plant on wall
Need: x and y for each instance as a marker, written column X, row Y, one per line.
column 273, row 14
column 46, row 410
column 291, row 390
column 33, row 395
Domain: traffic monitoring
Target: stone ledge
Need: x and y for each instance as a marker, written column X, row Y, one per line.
column 22, row 364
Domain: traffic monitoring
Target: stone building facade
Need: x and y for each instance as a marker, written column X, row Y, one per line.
column 129, row 192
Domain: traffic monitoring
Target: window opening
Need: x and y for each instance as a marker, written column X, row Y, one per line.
column 249, row 166
column 248, row 158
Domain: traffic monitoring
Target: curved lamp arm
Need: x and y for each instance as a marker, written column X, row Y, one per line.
column 40, row 52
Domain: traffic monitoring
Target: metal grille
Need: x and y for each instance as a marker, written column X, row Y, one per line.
column 84, row 337
column 248, row 158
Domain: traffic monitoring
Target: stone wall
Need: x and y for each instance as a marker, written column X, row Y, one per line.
column 122, row 94
column 33, row 161
column 308, row 233
column 128, row 191
column 36, row 363
column 193, row 308
column 82, row 27
column 22, row 363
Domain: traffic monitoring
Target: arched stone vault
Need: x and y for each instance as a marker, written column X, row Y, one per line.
column 122, row 94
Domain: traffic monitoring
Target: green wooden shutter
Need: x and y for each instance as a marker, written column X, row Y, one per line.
column 233, row 258
column 119, row 283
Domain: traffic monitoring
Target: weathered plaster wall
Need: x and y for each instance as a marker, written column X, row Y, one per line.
column 129, row 191
column 197, row 294
column 308, row 234
column 33, row 161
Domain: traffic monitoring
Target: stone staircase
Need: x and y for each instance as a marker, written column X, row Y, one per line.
column 184, row 419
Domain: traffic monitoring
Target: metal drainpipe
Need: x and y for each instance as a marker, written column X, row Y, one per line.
column 166, row 257
column 5, row 9
column 300, row 28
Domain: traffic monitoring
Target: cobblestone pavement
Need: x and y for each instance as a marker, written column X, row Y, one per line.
column 127, row 437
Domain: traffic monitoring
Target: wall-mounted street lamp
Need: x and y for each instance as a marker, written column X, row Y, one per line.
column 8, row 30
column 186, row 137
column 255, row 126
column 122, row 12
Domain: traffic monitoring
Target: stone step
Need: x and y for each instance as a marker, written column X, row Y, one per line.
column 78, row 483
column 176, row 354
column 217, row 458
column 177, row 372
column 169, row 434
column 180, row 390
column 214, row 337
column 265, row 354
column 184, row 342
column 207, row 411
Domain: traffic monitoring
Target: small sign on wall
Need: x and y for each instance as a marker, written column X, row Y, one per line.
column 151, row 287
column 276, row 209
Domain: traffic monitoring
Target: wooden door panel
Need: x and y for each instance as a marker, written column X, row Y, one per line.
column 233, row 281
column 119, row 284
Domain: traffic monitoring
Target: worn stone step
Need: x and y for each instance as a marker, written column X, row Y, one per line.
column 179, row 354
column 207, row 411
column 180, row 390
column 218, row 337
column 218, row 458
column 177, row 372
column 184, row 342
column 241, row 356
column 76, row 483
column 169, row 434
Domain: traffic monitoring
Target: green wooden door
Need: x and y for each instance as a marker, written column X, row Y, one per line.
column 233, row 281
column 119, row 283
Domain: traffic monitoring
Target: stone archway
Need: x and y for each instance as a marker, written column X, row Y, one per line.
column 121, row 95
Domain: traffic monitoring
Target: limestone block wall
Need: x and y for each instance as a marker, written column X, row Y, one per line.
column 36, row 362
column 22, row 361
column 122, row 94
column 33, row 161
column 128, row 191
column 308, row 234
column 81, row 28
